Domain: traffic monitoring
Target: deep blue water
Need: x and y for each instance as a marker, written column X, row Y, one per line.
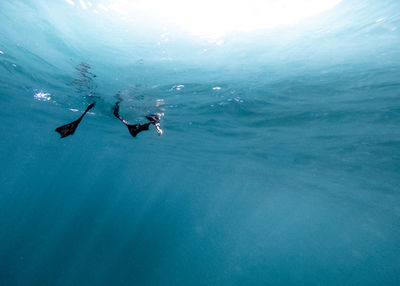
column 279, row 163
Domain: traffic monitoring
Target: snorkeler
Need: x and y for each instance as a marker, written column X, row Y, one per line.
column 134, row 129
column 86, row 86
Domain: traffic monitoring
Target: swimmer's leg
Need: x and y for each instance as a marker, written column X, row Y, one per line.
column 116, row 112
column 69, row 129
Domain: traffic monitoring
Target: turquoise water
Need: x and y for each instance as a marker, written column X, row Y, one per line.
column 279, row 162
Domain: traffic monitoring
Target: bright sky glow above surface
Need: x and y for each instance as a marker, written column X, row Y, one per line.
column 212, row 18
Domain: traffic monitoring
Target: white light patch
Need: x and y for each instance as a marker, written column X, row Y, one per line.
column 217, row 88
column 159, row 102
column 1, row 53
column 74, row 110
column 102, row 7
column 83, row 4
column 42, row 96
column 70, row 2
column 177, row 87
column 214, row 18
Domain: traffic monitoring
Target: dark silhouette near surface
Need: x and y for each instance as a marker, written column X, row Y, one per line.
column 69, row 129
column 85, row 85
column 135, row 129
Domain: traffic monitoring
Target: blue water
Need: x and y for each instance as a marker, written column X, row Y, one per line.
column 279, row 163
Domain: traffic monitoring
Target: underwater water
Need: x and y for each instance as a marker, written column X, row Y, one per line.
column 278, row 164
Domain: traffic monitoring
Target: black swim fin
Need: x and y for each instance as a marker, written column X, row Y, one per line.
column 69, row 129
column 134, row 129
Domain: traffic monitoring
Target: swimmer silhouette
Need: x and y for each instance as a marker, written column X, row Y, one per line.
column 135, row 129
column 69, row 129
column 85, row 85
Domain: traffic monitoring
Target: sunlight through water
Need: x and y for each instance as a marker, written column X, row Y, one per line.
column 211, row 18
column 219, row 142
